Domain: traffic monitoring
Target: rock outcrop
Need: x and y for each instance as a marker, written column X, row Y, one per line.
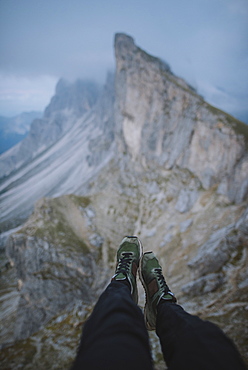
column 55, row 263
column 152, row 159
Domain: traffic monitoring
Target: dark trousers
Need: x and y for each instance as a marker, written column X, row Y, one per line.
column 115, row 337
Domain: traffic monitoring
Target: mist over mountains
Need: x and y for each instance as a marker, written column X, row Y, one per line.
column 15, row 129
column 143, row 155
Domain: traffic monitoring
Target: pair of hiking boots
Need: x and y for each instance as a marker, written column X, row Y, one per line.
column 130, row 259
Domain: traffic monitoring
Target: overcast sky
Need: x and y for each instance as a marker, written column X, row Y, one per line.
column 204, row 41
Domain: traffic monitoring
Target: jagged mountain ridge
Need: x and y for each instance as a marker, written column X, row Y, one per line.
column 151, row 159
column 80, row 149
column 71, row 101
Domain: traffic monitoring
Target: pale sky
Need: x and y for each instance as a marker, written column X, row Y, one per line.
column 204, row 41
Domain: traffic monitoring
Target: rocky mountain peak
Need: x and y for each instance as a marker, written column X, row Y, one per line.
column 124, row 45
column 126, row 50
column 161, row 120
column 79, row 97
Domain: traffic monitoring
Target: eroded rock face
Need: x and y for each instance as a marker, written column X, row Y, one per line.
column 46, row 282
column 222, row 246
column 54, row 261
column 225, row 248
column 160, row 118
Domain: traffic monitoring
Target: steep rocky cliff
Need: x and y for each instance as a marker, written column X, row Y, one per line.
column 163, row 122
column 151, row 159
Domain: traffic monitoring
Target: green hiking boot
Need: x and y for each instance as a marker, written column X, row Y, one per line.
column 128, row 257
column 155, row 287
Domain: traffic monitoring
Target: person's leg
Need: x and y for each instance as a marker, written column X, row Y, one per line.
column 115, row 336
column 190, row 343
column 187, row 341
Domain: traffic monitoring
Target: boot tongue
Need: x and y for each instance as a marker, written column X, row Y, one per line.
column 169, row 297
column 120, row 276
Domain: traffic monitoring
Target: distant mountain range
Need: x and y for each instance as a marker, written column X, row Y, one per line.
column 14, row 129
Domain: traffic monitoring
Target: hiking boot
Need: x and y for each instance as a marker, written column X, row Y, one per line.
column 155, row 287
column 128, row 257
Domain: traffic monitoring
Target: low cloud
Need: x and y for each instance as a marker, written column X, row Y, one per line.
column 204, row 43
column 20, row 94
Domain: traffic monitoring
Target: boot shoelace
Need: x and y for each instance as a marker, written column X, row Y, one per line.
column 161, row 280
column 163, row 285
column 124, row 263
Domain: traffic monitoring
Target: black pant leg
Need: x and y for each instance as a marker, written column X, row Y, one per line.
column 114, row 337
column 190, row 343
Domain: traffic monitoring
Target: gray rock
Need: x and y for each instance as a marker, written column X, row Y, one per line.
column 218, row 250
column 237, row 185
column 96, row 240
column 150, row 233
column 185, row 225
column 49, row 282
column 153, row 188
column 186, row 200
column 167, row 238
column 160, row 119
column 203, row 285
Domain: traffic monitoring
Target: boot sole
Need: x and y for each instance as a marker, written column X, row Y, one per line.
column 148, row 325
column 140, row 256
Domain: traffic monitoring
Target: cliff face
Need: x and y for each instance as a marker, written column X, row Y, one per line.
column 53, row 261
column 150, row 159
column 161, row 119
